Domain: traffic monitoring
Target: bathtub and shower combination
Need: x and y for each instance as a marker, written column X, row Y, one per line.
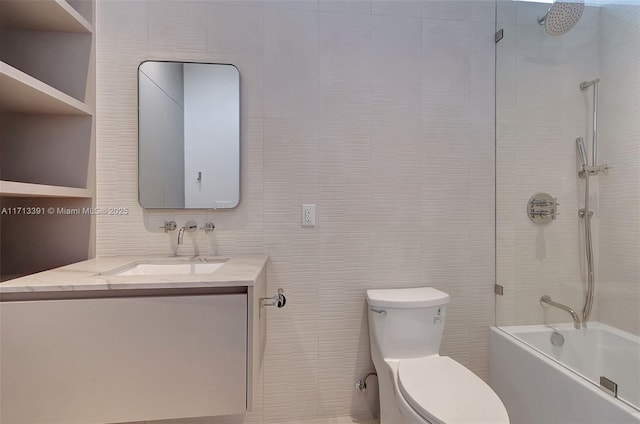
column 584, row 371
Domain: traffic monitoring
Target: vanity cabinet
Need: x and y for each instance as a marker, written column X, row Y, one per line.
column 146, row 357
column 47, row 136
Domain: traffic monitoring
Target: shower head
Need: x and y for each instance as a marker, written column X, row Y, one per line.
column 562, row 16
column 582, row 150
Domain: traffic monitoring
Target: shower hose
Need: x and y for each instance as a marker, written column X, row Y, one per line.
column 588, row 304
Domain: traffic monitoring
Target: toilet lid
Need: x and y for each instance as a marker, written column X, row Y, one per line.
column 443, row 391
column 418, row 297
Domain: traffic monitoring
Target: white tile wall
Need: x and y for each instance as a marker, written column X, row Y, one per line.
column 177, row 30
column 381, row 113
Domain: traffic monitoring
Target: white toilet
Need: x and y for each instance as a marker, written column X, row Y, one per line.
column 416, row 384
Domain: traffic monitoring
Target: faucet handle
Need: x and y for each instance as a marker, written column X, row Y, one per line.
column 169, row 226
column 209, row 227
column 190, row 226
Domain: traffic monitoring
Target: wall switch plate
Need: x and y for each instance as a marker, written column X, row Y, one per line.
column 308, row 215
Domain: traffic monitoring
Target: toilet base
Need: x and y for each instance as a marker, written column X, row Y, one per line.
column 394, row 409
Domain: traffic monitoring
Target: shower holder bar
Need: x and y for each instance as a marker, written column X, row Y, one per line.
column 581, row 213
column 594, row 170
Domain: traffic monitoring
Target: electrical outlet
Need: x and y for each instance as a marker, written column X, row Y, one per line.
column 308, row 215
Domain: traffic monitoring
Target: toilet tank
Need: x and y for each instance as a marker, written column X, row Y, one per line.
column 406, row 323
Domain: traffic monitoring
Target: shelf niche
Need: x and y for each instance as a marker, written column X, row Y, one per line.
column 24, row 94
column 44, row 149
column 47, row 15
column 47, row 142
column 61, row 60
column 34, row 243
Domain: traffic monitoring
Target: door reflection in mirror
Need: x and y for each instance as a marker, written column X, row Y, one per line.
column 188, row 135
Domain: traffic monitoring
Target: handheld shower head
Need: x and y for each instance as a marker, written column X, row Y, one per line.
column 562, row 16
column 582, row 150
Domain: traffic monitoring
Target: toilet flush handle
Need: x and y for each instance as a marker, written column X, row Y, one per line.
column 382, row 312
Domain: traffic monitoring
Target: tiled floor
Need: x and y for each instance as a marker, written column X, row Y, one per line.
column 339, row 420
column 209, row 420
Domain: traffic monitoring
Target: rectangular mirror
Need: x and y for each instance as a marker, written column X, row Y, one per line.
column 188, row 135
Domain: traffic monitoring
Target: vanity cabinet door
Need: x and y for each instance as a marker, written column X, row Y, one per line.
column 122, row 359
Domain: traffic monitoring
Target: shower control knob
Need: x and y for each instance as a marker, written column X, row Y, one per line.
column 542, row 208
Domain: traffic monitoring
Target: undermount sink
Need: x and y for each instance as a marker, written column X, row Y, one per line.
column 167, row 268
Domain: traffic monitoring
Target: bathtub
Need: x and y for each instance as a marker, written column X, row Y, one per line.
column 542, row 383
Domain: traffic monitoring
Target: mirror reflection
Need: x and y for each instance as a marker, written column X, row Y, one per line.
column 188, row 135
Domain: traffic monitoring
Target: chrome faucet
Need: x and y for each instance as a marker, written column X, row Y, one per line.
column 546, row 299
column 190, row 226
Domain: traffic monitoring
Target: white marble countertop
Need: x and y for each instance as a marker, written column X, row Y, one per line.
column 237, row 271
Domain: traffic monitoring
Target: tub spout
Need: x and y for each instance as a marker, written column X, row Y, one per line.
column 546, row 300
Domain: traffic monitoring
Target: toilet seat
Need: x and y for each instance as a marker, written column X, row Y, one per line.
column 443, row 391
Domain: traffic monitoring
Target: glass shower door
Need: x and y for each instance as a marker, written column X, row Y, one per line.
column 540, row 112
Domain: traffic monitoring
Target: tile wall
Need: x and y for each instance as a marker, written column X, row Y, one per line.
column 382, row 114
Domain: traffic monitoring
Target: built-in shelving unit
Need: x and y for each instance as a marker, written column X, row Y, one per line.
column 24, row 94
column 47, row 142
column 42, row 15
column 14, row 189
